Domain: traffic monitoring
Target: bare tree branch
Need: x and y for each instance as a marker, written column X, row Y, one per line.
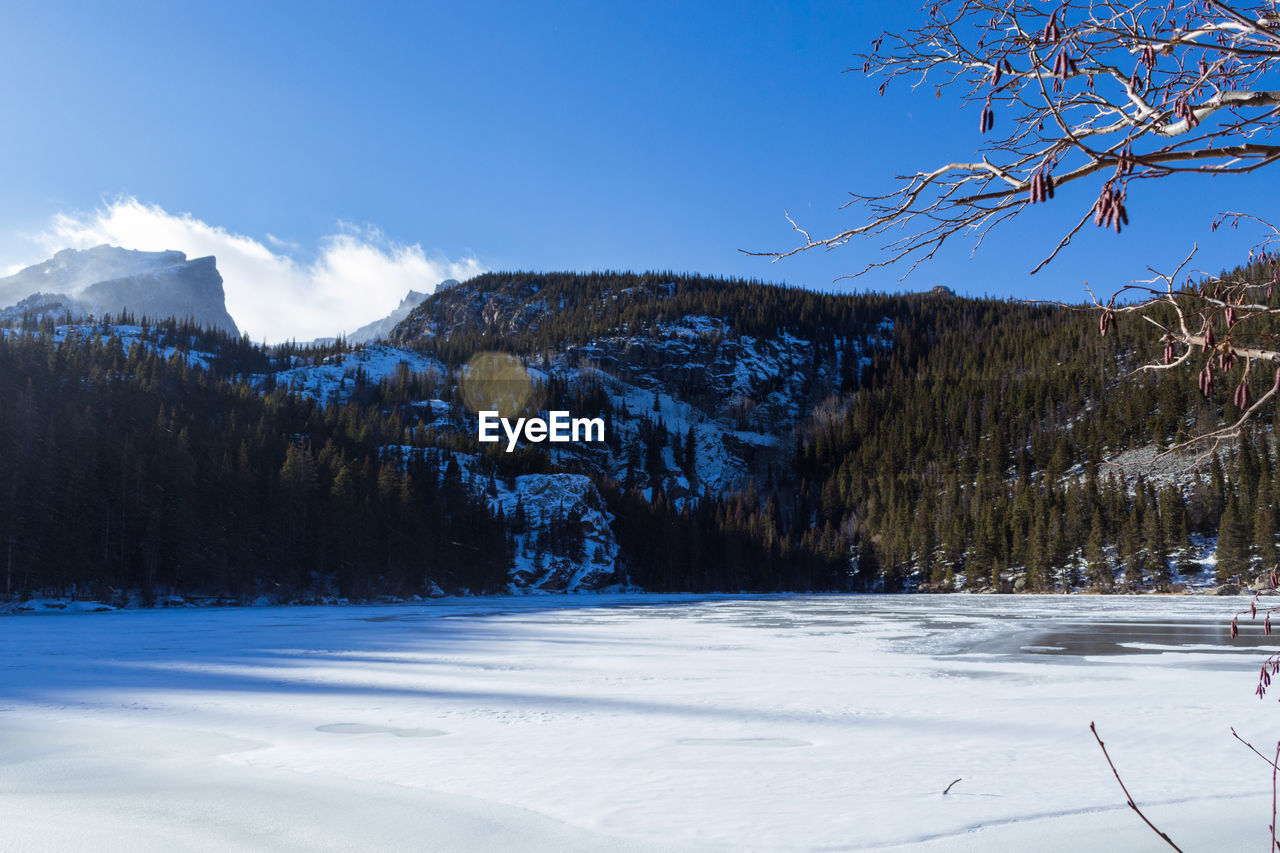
column 1129, row 797
column 1084, row 89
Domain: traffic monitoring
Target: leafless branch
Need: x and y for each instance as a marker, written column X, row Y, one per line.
column 1083, row 90
column 1253, row 748
column 1129, row 797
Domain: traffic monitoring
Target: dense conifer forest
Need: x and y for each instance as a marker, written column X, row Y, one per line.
column 943, row 442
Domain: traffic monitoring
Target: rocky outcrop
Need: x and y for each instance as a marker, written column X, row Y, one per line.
column 563, row 538
column 186, row 290
column 468, row 309
column 748, row 383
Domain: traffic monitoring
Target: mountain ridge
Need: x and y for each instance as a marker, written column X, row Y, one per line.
column 110, row 280
column 758, row 438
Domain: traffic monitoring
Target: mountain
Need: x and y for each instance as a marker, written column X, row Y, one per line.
column 379, row 329
column 111, row 280
column 38, row 306
column 71, row 271
column 757, row 438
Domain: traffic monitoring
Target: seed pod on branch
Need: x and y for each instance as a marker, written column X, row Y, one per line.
column 1206, row 380
column 1108, row 210
column 1041, row 185
column 1060, row 65
column 1106, row 321
column 1051, row 32
column 1124, row 161
column 1241, row 396
column 1182, row 109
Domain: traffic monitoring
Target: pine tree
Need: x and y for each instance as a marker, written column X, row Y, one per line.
column 1264, row 527
column 1156, row 547
column 1233, row 544
column 1100, row 570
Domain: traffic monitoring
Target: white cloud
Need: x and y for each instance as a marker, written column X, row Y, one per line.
column 357, row 276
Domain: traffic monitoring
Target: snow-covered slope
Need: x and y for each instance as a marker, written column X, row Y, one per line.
column 334, row 380
column 559, row 506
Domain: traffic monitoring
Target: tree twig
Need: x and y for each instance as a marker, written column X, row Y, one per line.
column 1236, row 735
column 1129, row 797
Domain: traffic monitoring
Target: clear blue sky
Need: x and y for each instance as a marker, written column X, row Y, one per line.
column 529, row 135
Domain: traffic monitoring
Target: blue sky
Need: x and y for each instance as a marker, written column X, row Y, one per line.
column 506, row 136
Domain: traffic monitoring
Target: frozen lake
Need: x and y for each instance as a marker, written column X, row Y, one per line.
column 636, row 723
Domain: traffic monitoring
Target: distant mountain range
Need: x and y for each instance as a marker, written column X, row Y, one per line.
column 111, row 280
column 158, row 285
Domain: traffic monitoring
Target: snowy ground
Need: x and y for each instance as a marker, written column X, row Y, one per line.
column 634, row 723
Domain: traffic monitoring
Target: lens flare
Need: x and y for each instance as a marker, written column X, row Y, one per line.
column 495, row 381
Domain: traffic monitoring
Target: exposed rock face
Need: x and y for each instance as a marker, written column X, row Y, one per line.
column 749, row 383
column 71, row 271
column 466, row 308
column 732, row 400
column 187, row 289
column 109, row 280
column 570, row 505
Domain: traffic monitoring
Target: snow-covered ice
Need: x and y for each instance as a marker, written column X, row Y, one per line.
column 635, row 723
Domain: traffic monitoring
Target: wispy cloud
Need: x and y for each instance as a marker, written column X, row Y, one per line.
column 357, row 276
